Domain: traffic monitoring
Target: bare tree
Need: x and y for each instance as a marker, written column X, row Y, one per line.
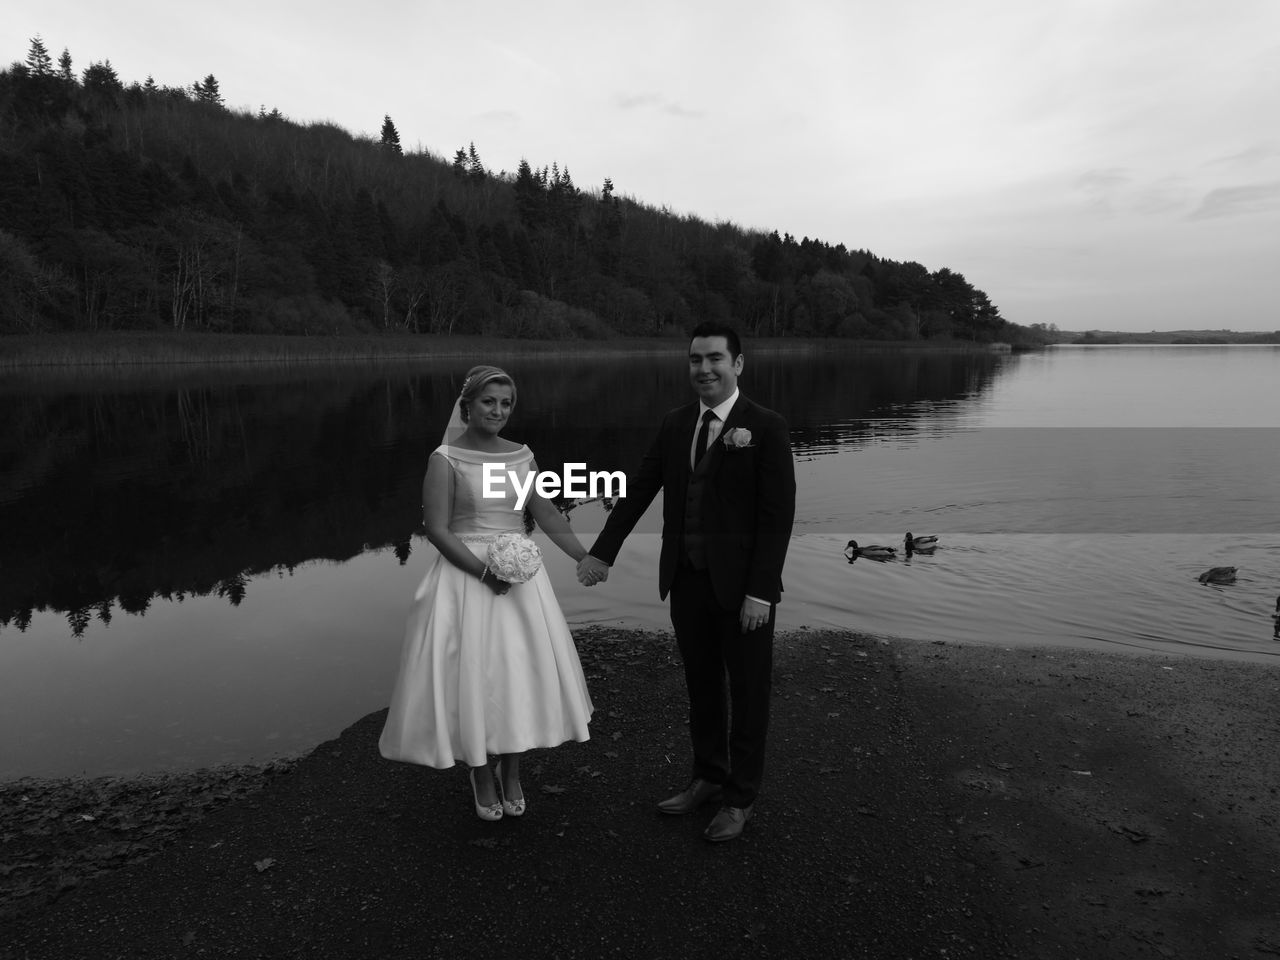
column 384, row 285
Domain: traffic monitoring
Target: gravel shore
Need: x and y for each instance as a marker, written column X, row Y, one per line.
column 922, row 800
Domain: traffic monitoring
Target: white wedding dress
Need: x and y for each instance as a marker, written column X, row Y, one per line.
column 482, row 674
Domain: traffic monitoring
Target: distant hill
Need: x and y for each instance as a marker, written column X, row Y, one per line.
column 1166, row 336
column 136, row 206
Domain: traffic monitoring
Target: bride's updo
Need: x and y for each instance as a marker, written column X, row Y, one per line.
column 477, row 379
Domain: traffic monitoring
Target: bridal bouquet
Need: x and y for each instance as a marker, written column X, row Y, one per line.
column 514, row 557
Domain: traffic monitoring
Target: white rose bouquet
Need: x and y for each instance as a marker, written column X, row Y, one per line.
column 514, row 557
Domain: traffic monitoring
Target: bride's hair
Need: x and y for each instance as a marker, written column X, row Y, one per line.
column 477, row 379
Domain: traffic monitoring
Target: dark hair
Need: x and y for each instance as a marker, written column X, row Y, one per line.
column 713, row 328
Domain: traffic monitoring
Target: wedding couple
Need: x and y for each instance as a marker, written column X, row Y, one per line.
column 489, row 666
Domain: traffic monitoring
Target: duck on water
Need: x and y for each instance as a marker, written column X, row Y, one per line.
column 874, row 551
column 920, row 544
column 1218, row 575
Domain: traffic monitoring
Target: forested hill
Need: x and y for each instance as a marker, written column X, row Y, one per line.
column 150, row 207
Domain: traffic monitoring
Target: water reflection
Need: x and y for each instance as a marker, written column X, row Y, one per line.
column 238, row 547
column 191, row 483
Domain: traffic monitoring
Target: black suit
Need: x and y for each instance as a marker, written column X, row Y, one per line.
column 745, row 505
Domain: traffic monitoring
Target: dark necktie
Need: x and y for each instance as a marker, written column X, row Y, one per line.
column 701, row 447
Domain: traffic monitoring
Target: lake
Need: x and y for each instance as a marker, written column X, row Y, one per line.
column 213, row 564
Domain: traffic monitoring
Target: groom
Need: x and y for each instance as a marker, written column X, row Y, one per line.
column 724, row 464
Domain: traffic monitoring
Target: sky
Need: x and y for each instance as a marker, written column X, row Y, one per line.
column 1090, row 164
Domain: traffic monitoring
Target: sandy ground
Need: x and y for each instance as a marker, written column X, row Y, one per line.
column 923, row 800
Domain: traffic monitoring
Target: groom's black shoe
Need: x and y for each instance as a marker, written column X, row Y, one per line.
column 727, row 824
column 691, row 797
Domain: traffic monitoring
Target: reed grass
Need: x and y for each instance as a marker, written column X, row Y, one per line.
column 133, row 348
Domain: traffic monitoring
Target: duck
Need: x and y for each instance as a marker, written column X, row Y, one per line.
column 1218, row 575
column 873, row 550
column 921, row 544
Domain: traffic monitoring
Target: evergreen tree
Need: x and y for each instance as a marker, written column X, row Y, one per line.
column 101, row 78
column 64, row 66
column 609, row 231
column 206, row 91
column 488, row 255
column 460, row 163
column 440, row 244
column 530, row 200
column 475, row 169
column 38, row 60
column 390, row 136
column 563, row 201
column 527, row 261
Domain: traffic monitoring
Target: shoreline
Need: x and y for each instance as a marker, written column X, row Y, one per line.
column 1030, row 801
column 272, row 765
column 147, row 348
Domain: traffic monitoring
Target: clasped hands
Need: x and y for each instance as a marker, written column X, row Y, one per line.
column 592, row 571
column 754, row 614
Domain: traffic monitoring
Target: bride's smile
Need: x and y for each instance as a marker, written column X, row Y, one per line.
column 490, row 411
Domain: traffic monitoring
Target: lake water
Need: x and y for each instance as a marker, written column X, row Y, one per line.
column 213, row 565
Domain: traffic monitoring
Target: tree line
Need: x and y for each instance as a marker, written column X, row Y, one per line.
column 141, row 206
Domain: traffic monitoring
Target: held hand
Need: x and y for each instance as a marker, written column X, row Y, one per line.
column 495, row 583
column 592, row 571
column 754, row 614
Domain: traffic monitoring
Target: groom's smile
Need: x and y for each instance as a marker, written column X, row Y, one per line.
column 712, row 370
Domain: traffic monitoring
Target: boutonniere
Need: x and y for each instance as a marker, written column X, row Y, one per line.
column 739, row 438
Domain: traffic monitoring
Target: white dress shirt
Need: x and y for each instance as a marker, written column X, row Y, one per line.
column 721, row 412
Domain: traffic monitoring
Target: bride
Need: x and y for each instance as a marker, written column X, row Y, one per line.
column 488, row 667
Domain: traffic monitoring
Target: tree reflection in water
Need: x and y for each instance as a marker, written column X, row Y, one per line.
column 174, row 483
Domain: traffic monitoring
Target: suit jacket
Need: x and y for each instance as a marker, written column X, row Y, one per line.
column 748, row 502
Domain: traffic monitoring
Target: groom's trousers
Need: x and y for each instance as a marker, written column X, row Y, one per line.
column 728, row 675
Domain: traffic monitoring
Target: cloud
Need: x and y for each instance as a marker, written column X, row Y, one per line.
column 1253, row 154
column 1102, row 186
column 656, row 102
column 524, row 63
column 1238, row 201
column 499, row 116
column 1117, row 191
column 634, row 101
column 678, row 111
column 1103, row 181
column 1164, row 196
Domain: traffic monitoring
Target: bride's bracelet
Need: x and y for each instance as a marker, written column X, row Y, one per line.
column 484, row 573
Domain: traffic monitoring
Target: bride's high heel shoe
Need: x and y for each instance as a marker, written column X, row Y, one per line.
column 512, row 808
column 487, row 811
